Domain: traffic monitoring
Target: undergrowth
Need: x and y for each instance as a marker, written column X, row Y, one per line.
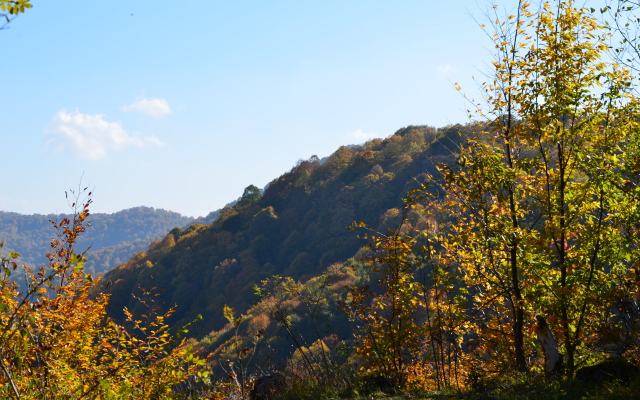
column 512, row 387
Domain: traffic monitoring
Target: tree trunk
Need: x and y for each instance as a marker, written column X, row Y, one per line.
column 545, row 336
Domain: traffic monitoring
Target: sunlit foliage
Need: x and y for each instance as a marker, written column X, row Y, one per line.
column 56, row 341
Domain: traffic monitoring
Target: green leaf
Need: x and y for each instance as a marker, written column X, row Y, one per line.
column 228, row 313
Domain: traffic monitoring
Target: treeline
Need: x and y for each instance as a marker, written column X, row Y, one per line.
column 113, row 237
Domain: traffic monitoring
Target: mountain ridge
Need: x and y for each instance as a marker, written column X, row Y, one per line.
column 296, row 228
column 113, row 238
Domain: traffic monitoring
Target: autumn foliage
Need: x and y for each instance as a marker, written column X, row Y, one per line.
column 532, row 217
column 537, row 217
column 56, row 341
column 526, row 218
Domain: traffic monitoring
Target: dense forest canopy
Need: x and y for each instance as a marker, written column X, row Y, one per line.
column 113, row 238
column 296, row 228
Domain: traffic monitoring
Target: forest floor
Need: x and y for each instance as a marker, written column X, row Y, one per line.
column 573, row 390
column 599, row 384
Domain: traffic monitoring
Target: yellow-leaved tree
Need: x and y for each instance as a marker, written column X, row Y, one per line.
column 9, row 9
column 541, row 202
column 56, row 341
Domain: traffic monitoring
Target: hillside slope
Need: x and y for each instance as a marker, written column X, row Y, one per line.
column 113, row 237
column 297, row 228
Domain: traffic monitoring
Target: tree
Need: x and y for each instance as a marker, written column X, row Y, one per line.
column 625, row 28
column 56, row 342
column 11, row 8
column 14, row 7
column 387, row 334
column 250, row 196
column 538, row 205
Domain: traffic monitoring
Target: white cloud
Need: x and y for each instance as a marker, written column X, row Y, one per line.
column 89, row 137
column 360, row 135
column 154, row 107
column 443, row 69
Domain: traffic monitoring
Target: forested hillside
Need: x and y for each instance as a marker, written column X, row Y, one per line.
column 494, row 260
column 485, row 254
column 297, row 228
column 113, row 237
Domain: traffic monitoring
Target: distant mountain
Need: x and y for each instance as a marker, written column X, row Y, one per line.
column 113, row 237
column 296, row 228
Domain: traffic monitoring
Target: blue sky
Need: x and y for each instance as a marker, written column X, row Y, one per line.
column 182, row 105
